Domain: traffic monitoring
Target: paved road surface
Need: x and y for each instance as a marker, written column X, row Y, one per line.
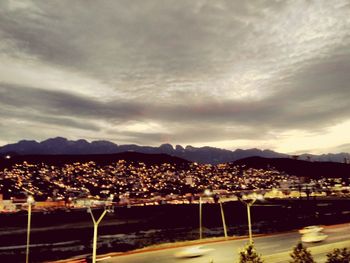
column 227, row 251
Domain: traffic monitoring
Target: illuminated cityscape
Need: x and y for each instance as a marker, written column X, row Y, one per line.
column 156, row 184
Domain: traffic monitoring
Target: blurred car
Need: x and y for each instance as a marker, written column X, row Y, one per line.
column 310, row 229
column 313, row 237
column 192, row 252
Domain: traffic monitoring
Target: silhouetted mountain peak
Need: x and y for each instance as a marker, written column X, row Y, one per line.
column 179, row 148
column 166, row 147
column 104, row 143
column 56, row 140
column 189, row 148
column 82, row 141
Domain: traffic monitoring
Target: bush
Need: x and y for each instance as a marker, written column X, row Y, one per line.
column 338, row 256
column 249, row 255
column 301, row 255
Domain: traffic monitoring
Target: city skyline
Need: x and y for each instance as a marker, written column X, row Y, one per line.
column 228, row 74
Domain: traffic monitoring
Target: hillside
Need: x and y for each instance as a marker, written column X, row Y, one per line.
column 298, row 167
column 99, row 159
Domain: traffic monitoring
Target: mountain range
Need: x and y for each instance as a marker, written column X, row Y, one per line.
column 210, row 155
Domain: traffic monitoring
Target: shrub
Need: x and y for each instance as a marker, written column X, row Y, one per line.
column 249, row 255
column 301, row 255
column 338, row 256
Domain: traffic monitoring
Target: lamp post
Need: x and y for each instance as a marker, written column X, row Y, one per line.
column 249, row 203
column 200, row 217
column 30, row 201
column 223, row 218
column 96, row 223
column 207, row 192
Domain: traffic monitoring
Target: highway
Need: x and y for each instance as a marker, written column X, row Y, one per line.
column 274, row 248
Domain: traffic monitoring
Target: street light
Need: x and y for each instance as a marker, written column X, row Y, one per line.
column 250, row 202
column 223, row 218
column 207, row 192
column 30, row 201
column 97, row 222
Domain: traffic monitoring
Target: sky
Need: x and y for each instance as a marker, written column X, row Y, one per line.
column 230, row 74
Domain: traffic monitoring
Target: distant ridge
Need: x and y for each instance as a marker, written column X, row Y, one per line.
column 99, row 159
column 210, row 155
column 299, row 168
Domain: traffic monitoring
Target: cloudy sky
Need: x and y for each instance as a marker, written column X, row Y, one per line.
column 230, row 74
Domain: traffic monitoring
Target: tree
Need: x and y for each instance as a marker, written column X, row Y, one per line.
column 301, row 255
column 249, row 255
column 338, row 256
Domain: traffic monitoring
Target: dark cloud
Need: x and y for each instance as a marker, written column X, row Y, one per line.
column 13, row 113
column 190, row 134
column 66, row 104
column 182, row 71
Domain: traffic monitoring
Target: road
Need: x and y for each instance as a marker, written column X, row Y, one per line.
column 227, row 251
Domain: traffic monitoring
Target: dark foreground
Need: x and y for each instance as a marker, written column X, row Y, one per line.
column 64, row 234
